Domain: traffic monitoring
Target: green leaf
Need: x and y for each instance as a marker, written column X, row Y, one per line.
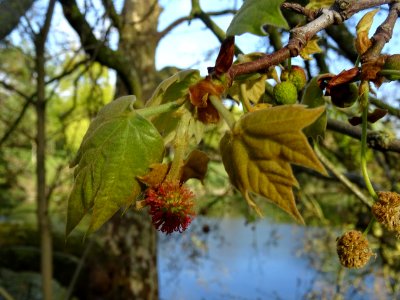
column 257, row 153
column 118, row 146
column 174, row 87
column 314, row 97
column 254, row 14
column 167, row 124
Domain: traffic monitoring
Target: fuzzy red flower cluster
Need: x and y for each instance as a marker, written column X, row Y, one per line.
column 171, row 206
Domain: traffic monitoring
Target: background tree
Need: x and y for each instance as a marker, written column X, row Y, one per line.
column 126, row 267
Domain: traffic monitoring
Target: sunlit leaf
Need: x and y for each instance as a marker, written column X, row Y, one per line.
column 254, row 14
column 257, row 153
column 311, row 48
column 362, row 30
column 253, row 88
column 313, row 97
column 118, row 146
column 174, row 87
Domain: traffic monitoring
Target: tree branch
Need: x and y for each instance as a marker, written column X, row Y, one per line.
column 198, row 13
column 112, row 13
column 10, row 13
column 338, row 13
column 375, row 140
column 383, row 33
column 98, row 51
column 342, row 178
column 392, row 110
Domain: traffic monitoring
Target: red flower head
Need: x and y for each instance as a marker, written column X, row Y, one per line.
column 171, row 206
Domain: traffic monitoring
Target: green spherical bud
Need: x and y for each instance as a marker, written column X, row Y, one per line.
column 285, row 93
column 344, row 95
column 392, row 62
column 298, row 77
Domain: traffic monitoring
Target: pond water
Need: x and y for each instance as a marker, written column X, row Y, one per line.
column 227, row 259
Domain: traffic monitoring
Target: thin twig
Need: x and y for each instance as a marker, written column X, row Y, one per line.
column 342, row 178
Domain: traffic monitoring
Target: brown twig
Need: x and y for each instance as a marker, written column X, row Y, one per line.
column 341, row 11
column 311, row 14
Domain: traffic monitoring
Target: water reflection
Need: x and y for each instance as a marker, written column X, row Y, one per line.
column 227, row 259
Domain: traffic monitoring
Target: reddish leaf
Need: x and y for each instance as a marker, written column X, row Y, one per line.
column 370, row 70
column 345, row 76
column 376, row 115
column 225, row 56
column 200, row 91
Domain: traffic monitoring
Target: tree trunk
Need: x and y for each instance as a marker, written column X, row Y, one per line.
column 138, row 43
column 44, row 222
column 132, row 238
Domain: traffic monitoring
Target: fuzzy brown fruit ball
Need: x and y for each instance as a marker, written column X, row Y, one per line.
column 344, row 95
column 285, row 93
column 353, row 249
column 392, row 62
column 296, row 75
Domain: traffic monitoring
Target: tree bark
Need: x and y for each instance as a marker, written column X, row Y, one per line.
column 132, row 237
column 10, row 13
column 138, row 43
column 46, row 245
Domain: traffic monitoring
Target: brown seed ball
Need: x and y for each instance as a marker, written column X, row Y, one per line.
column 353, row 250
column 387, row 210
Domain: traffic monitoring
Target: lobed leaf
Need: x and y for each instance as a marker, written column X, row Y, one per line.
column 254, row 14
column 253, row 87
column 311, row 48
column 171, row 89
column 363, row 42
column 119, row 146
column 257, row 153
column 174, row 87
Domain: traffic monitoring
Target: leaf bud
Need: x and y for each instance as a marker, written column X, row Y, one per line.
column 353, row 249
column 344, row 95
column 285, row 93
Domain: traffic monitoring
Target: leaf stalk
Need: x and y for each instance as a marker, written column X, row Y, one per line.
column 224, row 112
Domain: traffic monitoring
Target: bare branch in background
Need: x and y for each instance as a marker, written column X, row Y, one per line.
column 10, row 13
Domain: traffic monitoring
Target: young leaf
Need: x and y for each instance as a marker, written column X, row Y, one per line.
column 174, row 87
column 314, row 97
column 311, row 48
column 118, row 146
column 171, row 89
column 253, row 86
column 254, row 14
column 362, row 40
column 257, row 153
